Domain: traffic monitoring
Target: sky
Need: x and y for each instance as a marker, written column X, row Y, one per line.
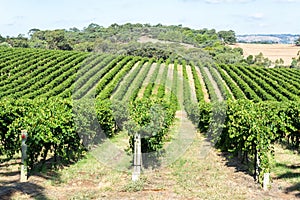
column 242, row 16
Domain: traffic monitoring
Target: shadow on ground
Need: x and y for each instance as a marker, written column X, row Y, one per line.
column 295, row 188
column 239, row 166
column 8, row 189
column 10, row 180
column 242, row 167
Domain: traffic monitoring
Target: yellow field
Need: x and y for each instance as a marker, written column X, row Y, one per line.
column 271, row 51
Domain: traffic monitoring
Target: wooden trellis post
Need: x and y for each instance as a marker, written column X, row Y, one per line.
column 137, row 162
column 266, row 182
column 24, row 156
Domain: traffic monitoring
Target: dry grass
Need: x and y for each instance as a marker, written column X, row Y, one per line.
column 145, row 39
column 271, row 51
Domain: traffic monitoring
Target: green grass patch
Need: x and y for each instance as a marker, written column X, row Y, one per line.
column 287, row 166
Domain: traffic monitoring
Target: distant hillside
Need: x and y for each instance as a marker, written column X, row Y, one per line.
column 268, row 38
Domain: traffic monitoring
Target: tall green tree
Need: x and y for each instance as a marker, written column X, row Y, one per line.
column 19, row 41
column 32, row 31
column 54, row 39
column 227, row 36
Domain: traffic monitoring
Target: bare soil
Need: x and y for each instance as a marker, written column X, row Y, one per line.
column 191, row 83
column 169, row 78
column 147, row 80
column 158, row 78
column 215, row 85
column 232, row 81
column 131, row 88
column 180, row 85
column 124, row 79
column 206, row 96
column 219, row 76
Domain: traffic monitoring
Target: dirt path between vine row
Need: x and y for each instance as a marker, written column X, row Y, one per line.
column 147, row 80
column 220, row 77
column 180, row 85
column 124, row 79
column 157, row 81
column 92, row 91
column 205, row 93
column 215, row 85
column 233, row 82
column 169, row 78
column 191, row 83
column 132, row 86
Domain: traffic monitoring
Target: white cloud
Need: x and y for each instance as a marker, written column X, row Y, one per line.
column 228, row 1
column 263, row 25
column 287, row 1
column 257, row 16
column 213, row 1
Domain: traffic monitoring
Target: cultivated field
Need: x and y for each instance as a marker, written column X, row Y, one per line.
column 272, row 51
column 61, row 96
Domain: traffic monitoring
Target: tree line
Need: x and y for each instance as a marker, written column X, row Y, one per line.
column 95, row 37
column 207, row 44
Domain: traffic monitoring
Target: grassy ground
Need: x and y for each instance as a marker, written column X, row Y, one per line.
column 286, row 170
column 196, row 172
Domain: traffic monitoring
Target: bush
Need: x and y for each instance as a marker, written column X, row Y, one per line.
column 151, row 118
column 50, row 127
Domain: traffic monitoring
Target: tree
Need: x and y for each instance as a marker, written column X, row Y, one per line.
column 295, row 63
column 297, row 42
column 32, row 31
column 279, row 62
column 74, row 29
column 260, row 60
column 39, row 35
column 19, row 41
column 54, row 39
column 227, row 36
column 238, row 50
column 115, row 26
column 250, row 59
column 201, row 38
column 84, row 46
column 228, row 58
column 92, row 28
column 38, row 44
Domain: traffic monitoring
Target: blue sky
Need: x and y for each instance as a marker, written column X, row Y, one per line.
column 242, row 16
